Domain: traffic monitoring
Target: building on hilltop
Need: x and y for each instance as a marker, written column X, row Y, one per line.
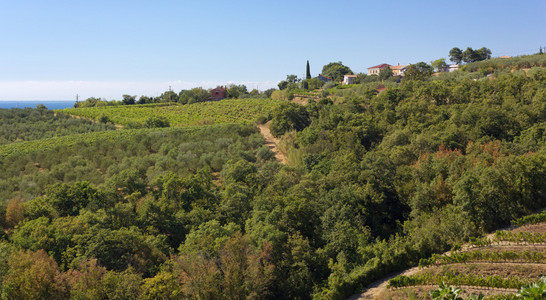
column 218, row 93
column 398, row 70
column 376, row 69
column 324, row 78
column 451, row 68
column 349, row 79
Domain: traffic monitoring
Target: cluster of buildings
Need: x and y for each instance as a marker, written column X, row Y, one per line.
column 397, row 70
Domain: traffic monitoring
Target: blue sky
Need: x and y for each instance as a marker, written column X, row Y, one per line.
column 53, row 50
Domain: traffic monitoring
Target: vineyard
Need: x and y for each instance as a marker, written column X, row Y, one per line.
column 69, row 141
column 496, row 266
column 531, row 219
column 240, row 111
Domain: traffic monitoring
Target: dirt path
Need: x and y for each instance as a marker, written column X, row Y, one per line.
column 376, row 288
column 272, row 142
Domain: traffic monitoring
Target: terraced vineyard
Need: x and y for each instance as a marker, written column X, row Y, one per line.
column 240, row 111
column 496, row 266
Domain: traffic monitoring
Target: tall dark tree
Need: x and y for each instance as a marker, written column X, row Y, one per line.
column 308, row 72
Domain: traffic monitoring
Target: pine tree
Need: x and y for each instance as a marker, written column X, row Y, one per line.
column 308, row 74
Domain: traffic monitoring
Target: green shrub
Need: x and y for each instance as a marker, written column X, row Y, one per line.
column 157, row 122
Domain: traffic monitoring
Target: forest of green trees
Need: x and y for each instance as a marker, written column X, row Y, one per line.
column 376, row 181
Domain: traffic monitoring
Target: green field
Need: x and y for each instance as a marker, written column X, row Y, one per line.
column 240, row 111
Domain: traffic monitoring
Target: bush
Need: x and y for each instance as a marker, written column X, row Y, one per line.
column 157, row 122
column 325, row 93
column 289, row 116
column 105, row 120
column 329, row 85
column 290, row 96
column 261, row 120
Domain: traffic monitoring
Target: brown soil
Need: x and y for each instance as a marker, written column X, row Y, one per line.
column 377, row 288
column 535, row 228
column 300, row 100
column 272, row 142
column 217, row 179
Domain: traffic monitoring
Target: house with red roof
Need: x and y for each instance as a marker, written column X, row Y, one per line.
column 399, row 69
column 324, row 78
column 376, row 69
column 218, row 93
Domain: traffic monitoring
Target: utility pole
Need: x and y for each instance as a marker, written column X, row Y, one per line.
column 77, row 98
column 170, row 91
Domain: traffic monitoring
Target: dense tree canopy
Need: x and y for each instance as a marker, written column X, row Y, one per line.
column 418, row 71
column 336, row 70
column 438, row 65
column 375, row 182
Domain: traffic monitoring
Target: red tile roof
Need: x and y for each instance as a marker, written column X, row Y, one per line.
column 381, row 66
column 399, row 67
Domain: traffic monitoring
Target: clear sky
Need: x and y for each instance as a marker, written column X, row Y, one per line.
column 53, row 50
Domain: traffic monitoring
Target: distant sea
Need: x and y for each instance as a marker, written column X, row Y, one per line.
column 50, row 104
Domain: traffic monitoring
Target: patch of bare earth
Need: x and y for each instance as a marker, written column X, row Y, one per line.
column 272, row 142
column 378, row 287
column 300, row 100
column 535, row 228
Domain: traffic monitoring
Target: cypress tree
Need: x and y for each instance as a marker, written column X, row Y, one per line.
column 308, row 73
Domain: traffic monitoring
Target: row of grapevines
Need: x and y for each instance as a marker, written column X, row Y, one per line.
column 520, row 237
column 531, row 219
column 493, row 281
column 484, row 256
column 87, row 138
column 524, row 238
column 241, row 111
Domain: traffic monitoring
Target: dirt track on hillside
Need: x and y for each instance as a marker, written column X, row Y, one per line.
column 272, row 142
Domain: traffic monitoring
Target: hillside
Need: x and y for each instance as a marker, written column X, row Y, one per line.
column 377, row 182
column 496, row 266
column 240, row 111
